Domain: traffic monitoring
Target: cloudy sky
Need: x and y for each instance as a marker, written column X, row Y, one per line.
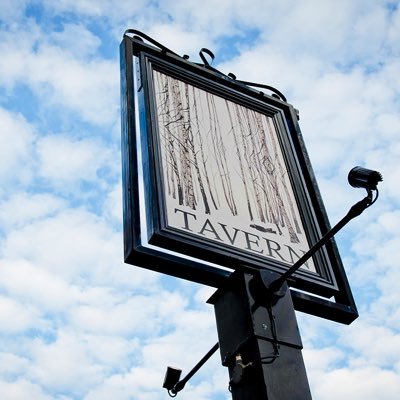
column 75, row 321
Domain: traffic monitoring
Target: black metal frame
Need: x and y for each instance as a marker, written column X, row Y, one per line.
column 332, row 282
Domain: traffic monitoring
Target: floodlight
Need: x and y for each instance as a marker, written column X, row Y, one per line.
column 171, row 378
column 364, row 178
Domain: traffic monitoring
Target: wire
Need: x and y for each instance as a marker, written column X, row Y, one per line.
column 376, row 197
column 275, row 342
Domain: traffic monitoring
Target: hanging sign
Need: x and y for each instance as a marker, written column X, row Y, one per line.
column 216, row 176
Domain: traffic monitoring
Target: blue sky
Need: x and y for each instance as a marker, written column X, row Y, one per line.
column 75, row 321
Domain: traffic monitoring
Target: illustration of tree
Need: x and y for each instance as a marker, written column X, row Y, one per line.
column 239, row 155
column 172, row 170
column 202, row 132
column 282, row 174
column 220, row 155
column 182, row 128
column 203, row 157
column 268, row 167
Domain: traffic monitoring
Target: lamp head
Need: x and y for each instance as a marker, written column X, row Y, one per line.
column 364, row 178
column 172, row 377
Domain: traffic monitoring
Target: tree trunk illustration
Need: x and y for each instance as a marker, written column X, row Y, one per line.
column 282, row 172
column 169, row 139
column 202, row 156
column 249, row 158
column 220, row 154
column 239, row 155
column 183, row 126
column 270, row 170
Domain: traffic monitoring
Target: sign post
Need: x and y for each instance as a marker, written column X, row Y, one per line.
column 218, row 189
column 259, row 340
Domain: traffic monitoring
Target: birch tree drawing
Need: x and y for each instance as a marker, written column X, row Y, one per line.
column 220, row 156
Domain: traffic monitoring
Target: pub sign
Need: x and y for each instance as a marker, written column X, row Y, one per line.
column 216, row 177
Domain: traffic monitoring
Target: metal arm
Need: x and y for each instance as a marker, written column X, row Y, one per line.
column 354, row 211
column 173, row 391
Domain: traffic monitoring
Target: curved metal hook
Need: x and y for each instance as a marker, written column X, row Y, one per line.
column 140, row 35
column 210, row 53
column 270, row 88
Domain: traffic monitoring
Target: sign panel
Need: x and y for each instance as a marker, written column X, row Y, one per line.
column 224, row 175
column 217, row 178
column 225, row 181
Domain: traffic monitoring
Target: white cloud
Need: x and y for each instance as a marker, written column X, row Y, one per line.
column 74, row 244
column 17, row 318
column 98, row 9
column 12, row 365
column 359, row 383
column 87, row 88
column 61, row 73
column 111, row 319
column 179, row 38
column 25, row 282
column 138, row 383
column 16, row 136
column 66, row 162
column 16, row 53
column 79, row 41
column 78, row 323
column 330, row 378
column 72, row 369
column 11, row 12
column 362, row 338
column 23, row 389
column 23, row 208
column 113, row 205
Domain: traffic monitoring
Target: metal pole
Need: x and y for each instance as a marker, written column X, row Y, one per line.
column 259, row 340
column 354, row 211
column 181, row 384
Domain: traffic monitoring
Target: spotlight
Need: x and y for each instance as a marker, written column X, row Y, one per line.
column 364, row 178
column 171, row 378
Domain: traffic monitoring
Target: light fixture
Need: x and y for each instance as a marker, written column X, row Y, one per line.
column 360, row 177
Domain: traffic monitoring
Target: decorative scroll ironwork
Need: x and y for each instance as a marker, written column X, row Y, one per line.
column 140, row 36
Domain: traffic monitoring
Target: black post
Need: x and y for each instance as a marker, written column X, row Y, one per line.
column 259, row 339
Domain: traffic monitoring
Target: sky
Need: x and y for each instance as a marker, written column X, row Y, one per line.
column 78, row 323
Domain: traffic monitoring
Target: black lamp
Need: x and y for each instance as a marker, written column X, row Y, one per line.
column 360, row 177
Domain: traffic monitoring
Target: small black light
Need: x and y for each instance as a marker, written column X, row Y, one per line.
column 364, row 178
column 171, row 378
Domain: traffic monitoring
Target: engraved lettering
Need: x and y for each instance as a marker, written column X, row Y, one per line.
column 249, row 242
column 231, row 239
column 185, row 218
column 209, row 228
